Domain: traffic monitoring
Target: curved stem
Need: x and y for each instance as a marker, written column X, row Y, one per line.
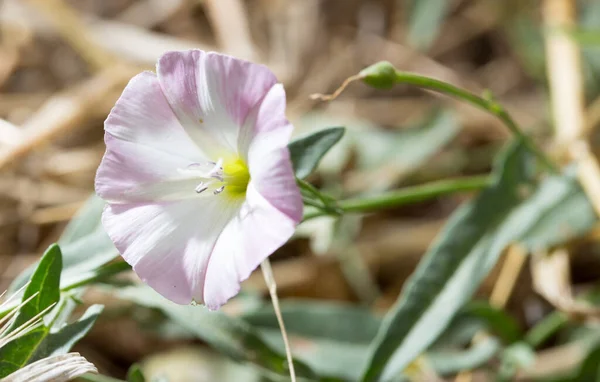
column 486, row 104
column 408, row 195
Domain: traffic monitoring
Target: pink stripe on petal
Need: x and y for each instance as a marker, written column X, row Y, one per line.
column 266, row 127
column 212, row 94
column 273, row 177
column 254, row 234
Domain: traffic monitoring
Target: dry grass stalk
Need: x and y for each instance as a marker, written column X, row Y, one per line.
column 551, row 273
column 64, row 112
column 70, row 26
column 229, row 20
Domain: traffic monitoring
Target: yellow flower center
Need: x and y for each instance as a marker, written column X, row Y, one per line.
column 236, row 177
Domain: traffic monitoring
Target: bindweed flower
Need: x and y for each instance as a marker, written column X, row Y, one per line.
column 197, row 175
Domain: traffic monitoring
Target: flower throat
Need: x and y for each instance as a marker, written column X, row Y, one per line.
column 229, row 177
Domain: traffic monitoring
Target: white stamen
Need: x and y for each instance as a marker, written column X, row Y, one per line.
column 219, row 190
column 201, row 187
column 217, row 170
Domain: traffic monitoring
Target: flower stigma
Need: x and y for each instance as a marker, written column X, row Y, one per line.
column 229, row 177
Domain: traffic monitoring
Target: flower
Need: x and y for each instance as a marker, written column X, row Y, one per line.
column 197, row 175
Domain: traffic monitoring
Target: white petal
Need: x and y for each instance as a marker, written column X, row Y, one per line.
column 212, row 94
column 168, row 244
column 249, row 238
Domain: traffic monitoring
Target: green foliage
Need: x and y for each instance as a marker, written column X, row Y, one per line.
column 447, row 362
column 84, row 244
column 317, row 319
column 233, row 337
column 307, row 152
column 452, row 269
column 496, row 320
column 44, row 284
column 50, row 338
column 134, row 374
column 61, row 339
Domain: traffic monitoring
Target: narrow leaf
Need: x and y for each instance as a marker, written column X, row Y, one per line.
column 317, row 319
column 62, row 340
column 45, row 282
column 453, row 268
column 306, row 152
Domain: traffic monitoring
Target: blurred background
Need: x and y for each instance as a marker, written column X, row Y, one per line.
column 64, row 63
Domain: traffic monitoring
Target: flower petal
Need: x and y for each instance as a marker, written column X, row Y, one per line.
column 250, row 237
column 266, row 127
column 273, row 177
column 131, row 172
column 267, row 154
column 212, row 94
column 169, row 244
column 145, row 144
column 142, row 115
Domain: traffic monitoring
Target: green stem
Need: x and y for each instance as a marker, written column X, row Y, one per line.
column 486, row 104
column 408, row 195
column 544, row 329
column 328, row 204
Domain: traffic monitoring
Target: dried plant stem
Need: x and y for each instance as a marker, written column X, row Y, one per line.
column 563, row 60
column 270, row 281
column 74, row 31
column 65, row 111
column 509, row 273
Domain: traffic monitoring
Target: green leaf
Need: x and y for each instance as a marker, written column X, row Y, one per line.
column 316, row 319
column 63, row 339
column 306, row 152
column 564, row 212
column 85, row 222
column 234, row 337
column 496, row 320
column 338, row 360
column 452, row 361
column 134, row 374
column 85, row 246
column 453, row 268
column 426, row 19
column 332, row 338
column 16, row 353
column 45, row 282
column 44, row 286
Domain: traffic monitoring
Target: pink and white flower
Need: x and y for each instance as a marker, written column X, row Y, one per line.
column 197, row 175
